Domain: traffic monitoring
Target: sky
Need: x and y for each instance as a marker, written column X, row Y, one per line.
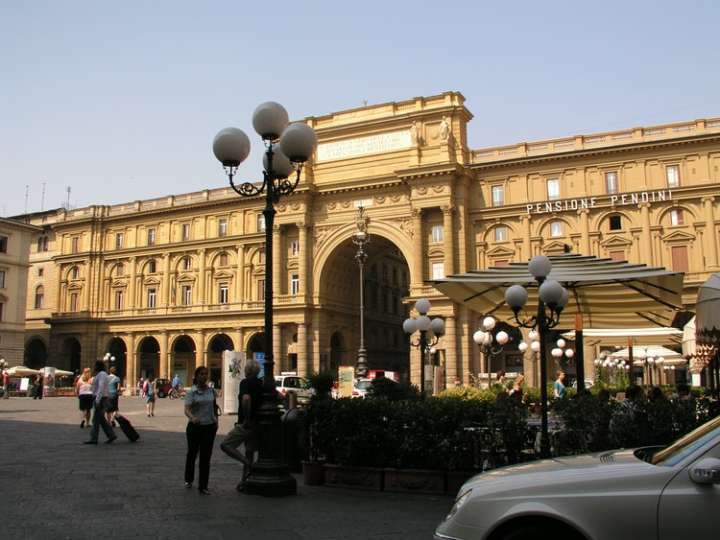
column 121, row 100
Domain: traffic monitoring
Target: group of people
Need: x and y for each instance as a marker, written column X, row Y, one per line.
column 147, row 390
column 516, row 390
column 98, row 393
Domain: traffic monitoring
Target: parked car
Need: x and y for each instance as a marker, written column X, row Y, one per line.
column 163, row 387
column 646, row 493
column 361, row 388
column 287, row 384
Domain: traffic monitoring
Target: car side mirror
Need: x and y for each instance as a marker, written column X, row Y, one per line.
column 705, row 471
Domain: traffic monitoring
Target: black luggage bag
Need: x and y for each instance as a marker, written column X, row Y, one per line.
column 127, row 428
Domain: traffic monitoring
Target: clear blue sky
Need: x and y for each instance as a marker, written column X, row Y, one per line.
column 121, row 100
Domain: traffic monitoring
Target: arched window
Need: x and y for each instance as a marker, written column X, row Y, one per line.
column 556, row 228
column 74, row 272
column 120, row 269
column 187, row 263
column 152, row 266
column 39, row 297
column 223, row 259
column 615, row 222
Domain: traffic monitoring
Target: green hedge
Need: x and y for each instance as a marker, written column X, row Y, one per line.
column 467, row 427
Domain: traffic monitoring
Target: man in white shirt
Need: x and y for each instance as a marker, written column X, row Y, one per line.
column 101, row 393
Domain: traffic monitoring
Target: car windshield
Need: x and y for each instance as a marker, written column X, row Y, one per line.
column 686, row 445
column 363, row 385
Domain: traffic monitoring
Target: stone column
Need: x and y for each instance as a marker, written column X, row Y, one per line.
column 449, row 236
column 585, row 231
column 316, row 349
column 278, row 274
column 465, row 343
column 278, row 357
column 708, row 202
column 165, row 359
column 415, row 370
column 451, row 366
column 303, row 261
column 527, row 248
column 239, row 340
column 201, row 277
column 201, row 349
column 240, row 280
column 418, row 255
column 166, row 280
column 646, row 238
column 302, row 356
column 130, row 363
column 451, row 356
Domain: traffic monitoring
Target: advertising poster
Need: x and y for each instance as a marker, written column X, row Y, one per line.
column 260, row 359
column 24, row 384
column 48, row 381
column 346, row 378
column 233, row 373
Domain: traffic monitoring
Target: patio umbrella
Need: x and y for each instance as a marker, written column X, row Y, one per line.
column 623, row 336
column 22, row 371
column 671, row 357
column 707, row 323
column 608, row 293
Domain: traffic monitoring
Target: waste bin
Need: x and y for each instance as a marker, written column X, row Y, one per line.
column 293, row 426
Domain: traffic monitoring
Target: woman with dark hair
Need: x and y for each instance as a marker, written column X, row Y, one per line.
column 201, row 429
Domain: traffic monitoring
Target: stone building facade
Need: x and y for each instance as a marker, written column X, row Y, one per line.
column 167, row 283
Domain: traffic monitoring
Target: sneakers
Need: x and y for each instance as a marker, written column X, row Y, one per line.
column 188, row 485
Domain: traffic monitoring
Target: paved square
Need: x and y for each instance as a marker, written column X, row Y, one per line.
column 55, row 487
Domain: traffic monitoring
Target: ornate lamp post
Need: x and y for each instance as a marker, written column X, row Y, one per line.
column 552, row 299
column 287, row 147
column 485, row 339
column 361, row 239
column 432, row 329
column 109, row 360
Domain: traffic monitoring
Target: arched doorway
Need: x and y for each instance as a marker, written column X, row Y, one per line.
column 35, row 354
column 386, row 282
column 256, row 349
column 72, row 354
column 183, row 359
column 118, row 349
column 218, row 344
column 148, row 358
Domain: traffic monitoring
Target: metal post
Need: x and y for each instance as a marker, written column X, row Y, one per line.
column 542, row 329
column 423, row 347
column 362, row 353
column 579, row 352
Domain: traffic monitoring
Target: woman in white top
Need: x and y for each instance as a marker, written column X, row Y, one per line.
column 83, row 389
column 201, row 429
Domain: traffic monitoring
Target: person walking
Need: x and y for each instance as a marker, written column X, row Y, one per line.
column 200, row 409
column 84, row 392
column 516, row 391
column 113, row 396
column 38, row 386
column 6, row 384
column 150, row 391
column 245, row 430
column 559, row 390
column 100, row 392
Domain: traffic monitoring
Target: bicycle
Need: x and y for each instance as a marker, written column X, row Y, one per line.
column 176, row 393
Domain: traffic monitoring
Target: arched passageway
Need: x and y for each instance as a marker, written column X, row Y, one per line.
column 35, row 354
column 183, row 359
column 71, row 355
column 386, row 281
column 148, row 358
column 118, row 350
column 218, row 344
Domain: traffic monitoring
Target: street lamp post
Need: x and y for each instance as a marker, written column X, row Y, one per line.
column 552, row 299
column 432, row 329
column 287, row 148
column 361, row 239
column 485, row 339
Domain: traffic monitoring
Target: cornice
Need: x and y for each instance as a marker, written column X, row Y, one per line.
column 559, row 156
column 429, row 171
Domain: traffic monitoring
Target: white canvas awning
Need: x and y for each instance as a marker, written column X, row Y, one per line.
column 621, row 336
column 608, row 293
column 671, row 358
column 688, row 340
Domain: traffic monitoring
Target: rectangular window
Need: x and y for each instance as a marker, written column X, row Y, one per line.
column 680, row 259
column 556, row 229
column 437, row 234
column 2, row 309
column 186, row 232
column 119, row 240
column 41, row 272
column 223, row 293
column 672, row 173
column 611, row 182
column 151, row 237
column 677, row 217
column 261, row 290
column 617, row 255
column 39, row 298
column 186, row 295
column 74, row 301
column 501, row 234
column 3, row 244
column 152, row 266
column 261, row 256
column 187, row 263
column 151, row 298
column 2, row 279
column 261, row 223
column 615, row 222
column 498, row 195
column 75, row 244
column 295, row 247
column 438, row 270
column 294, row 284
column 119, row 299
column 553, row 189
column 42, row 244
column 222, row 227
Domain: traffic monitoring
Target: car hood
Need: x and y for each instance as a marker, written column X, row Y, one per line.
column 561, row 473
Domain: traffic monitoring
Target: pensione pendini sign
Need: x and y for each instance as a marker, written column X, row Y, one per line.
column 617, row 199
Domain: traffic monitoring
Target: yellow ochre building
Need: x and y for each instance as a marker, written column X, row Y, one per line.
column 166, row 284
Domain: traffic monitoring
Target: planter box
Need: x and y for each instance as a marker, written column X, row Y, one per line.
column 415, row 481
column 313, row 473
column 455, row 479
column 369, row 478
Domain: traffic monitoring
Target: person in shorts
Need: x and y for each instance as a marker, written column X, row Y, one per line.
column 150, row 391
column 245, row 431
column 113, row 396
column 83, row 390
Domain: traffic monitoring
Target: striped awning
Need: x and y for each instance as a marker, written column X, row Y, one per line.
column 608, row 293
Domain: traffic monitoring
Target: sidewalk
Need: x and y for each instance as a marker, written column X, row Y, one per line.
column 56, row 487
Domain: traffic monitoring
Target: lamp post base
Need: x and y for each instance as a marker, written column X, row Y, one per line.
column 270, row 482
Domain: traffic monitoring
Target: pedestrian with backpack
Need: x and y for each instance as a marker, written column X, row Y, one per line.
column 202, row 412
column 150, row 391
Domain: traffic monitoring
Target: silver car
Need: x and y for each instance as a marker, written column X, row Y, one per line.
column 637, row 494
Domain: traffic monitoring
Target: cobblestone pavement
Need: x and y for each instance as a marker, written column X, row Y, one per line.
column 55, row 487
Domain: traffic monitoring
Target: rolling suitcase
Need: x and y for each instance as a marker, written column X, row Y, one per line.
column 127, row 428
